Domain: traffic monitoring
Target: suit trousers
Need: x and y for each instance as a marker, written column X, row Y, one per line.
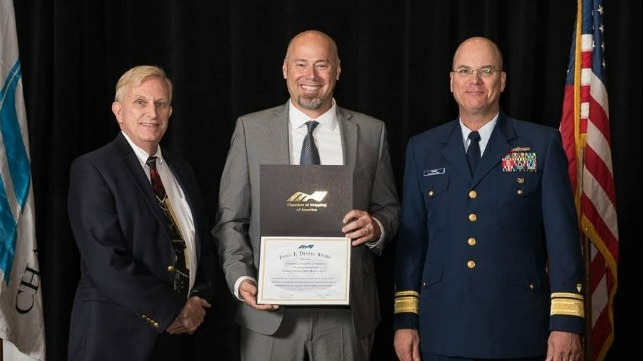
column 308, row 334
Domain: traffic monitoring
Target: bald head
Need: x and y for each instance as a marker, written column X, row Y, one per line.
column 316, row 37
column 311, row 69
column 478, row 45
column 477, row 93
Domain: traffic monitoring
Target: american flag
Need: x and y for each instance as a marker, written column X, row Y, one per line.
column 586, row 139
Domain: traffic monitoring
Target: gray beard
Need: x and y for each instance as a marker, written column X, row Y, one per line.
column 310, row 103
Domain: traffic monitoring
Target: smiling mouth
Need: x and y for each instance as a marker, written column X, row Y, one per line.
column 311, row 88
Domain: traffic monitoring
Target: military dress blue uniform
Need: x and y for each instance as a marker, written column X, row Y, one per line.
column 488, row 263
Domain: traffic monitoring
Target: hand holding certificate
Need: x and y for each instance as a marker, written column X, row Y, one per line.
column 305, row 258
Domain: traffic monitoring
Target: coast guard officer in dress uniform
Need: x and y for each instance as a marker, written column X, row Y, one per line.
column 489, row 263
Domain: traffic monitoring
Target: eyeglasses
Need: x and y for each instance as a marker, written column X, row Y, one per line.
column 484, row 72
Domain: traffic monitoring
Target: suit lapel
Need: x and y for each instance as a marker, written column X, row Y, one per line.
column 187, row 192
column 453, row 150
column 276, row 136
column 348, row 131
column 497, row 147
column 132, row 166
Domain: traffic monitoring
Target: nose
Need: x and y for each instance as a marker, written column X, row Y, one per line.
column 310, row 72
column 476, row 78
column 151, row 110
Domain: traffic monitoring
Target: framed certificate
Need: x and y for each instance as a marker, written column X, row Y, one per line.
column 304, row 257
column 304, row 271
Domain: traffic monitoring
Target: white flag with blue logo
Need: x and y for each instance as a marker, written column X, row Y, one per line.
column 21, row 313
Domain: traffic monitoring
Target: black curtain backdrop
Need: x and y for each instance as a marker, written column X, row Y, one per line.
column 225, row 59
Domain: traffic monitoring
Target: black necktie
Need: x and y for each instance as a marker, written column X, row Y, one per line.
column 473, row 152
column 181, row 271
column 309, row 152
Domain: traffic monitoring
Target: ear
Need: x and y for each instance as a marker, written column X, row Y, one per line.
column 284, row 70
column 339, row 71
column 503, row 81
column 116, row 109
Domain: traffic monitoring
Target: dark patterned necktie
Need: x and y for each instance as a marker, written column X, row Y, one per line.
column 309, row 152
column 473, row 152
column 181, row 271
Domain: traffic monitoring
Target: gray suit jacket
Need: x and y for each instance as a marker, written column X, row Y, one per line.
column 262, row 138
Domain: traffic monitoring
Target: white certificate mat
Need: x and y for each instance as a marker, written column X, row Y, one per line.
column 304, row 271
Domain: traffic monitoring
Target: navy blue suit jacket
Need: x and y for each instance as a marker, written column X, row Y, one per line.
column 125, row 297
column 488, row 255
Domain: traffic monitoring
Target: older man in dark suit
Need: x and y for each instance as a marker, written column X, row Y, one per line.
column 138, row 220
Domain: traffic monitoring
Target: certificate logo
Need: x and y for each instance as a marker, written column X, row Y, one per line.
column 303, row 202
column 303, row 197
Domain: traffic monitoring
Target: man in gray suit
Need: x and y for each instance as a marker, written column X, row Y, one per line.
column 274, row 136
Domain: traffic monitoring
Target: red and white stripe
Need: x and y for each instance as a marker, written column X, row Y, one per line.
column 586, row 139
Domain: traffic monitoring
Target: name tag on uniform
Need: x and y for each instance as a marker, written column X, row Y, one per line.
column 430, row 172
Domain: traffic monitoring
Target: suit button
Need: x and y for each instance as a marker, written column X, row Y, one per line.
column 520, row 192
column 471, row 264
column 430, row 193
column 473, row 194
column 473, row 217
column 471, row 241
column 170, row 268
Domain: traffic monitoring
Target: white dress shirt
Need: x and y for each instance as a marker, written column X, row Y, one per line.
column 485, row 134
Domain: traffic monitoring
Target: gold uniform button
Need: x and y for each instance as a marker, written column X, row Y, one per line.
column 423, row 284
column 473, row 217
column 532, row 287
column 170, row 268
column 471, row 241
column 520, row 180
column 156, row 324
column 520, row 192
column 471, row 264
column 430, row 193
column 473, row 194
